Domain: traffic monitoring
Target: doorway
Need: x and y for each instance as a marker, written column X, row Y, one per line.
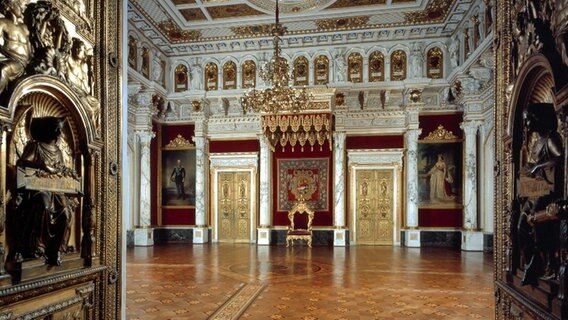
column 374, row 206
column 234, row 206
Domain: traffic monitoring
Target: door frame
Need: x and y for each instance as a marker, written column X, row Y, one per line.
column 390, row 160
column 234, row 162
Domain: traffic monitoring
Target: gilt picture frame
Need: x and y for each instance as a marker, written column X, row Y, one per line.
column 440, row 170
column 178, row 162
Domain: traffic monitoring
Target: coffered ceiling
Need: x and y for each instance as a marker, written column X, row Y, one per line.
column 173, row 24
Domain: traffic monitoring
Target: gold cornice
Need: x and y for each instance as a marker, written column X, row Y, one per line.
column 179, row 143
column 174, row 33
column 441, row 134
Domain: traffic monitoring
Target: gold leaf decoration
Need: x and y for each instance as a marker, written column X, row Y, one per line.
column 256, row 30
column 434, row 12
column 441, row 134
column 179, row 143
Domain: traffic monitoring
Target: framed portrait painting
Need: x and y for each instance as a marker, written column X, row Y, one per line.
column 440, row 170
column 178, row 173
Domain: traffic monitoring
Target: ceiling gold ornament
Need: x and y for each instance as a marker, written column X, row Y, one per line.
column 250, row 31
column 441, row 134
column 342, row 23
column 435, row 11
column 179, row 143
column 174, row 33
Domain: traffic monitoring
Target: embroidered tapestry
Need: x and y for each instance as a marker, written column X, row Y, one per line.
column 303, row 179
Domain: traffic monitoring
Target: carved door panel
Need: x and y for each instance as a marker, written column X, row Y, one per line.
column 374, row 207
column 234, row 206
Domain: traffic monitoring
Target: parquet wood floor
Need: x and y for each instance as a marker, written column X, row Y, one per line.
column 241, row 281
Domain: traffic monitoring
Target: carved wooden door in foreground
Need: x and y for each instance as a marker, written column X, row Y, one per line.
column 234, row 206
column 374, row 207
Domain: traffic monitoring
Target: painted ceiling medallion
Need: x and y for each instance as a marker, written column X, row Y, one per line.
column 434, row 12
column 175, row 35
column 342, row 23
column 290, row 6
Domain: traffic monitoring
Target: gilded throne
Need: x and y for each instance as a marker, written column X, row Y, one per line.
column 300, row 228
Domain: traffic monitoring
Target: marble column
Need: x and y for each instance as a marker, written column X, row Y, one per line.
column 201, row 230
column 143, row 233
column 472, row 238
column 263, row 230
column 340, row 231
column 412, row 234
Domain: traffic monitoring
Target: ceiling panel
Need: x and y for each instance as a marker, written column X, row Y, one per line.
column 178, row 2
column 355, row 3
column 194, row 14
column 233, row 11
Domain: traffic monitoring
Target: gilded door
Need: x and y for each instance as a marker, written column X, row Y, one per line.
column 374, row 207
column 234, row 203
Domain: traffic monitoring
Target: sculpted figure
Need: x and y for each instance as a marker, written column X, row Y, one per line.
column 79, row 76
column 541, row 189
column 196, row 80
column 41, row 219
column 15, row 50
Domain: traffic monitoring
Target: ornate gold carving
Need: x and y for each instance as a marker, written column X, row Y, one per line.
column 339, row 99
column 374, row 206
column 441, row 134
column 301, row 71
column 174, row 33
column 249, row 74
column 179, row 143
column 342, row 23
column 376, row 67
column 398, row 65
column 234, row 205
column 321, row 70
column 250, row 31
column 355, row 68
column 195, row 105
column 181, row 79
column 435, row 63
column 300, row 232
column 229, row 75
column 435, row 11
column 211, row 77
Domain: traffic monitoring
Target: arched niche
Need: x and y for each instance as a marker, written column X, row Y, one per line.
column 211, row 77
column 181, row 78
column 355, row 67
column 435, row 63
column 74, row 178
column 248, row 77
column 321, row 70
column 376, row 66
column 301, row 71
column 398, row 65
column 229, row 75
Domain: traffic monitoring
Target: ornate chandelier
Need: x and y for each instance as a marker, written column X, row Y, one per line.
column 280, row 97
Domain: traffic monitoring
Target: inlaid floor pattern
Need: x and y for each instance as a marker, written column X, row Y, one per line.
column 241, row 281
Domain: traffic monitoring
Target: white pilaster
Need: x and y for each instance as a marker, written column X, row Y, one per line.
column 472, row 239
column 201, row 230
column 263, row 230
column 143, row 236
column 340, row 232
column 411, row 234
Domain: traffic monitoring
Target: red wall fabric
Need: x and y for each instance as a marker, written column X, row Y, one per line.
column 170, row 216
column 221, row 146
column 321, row 218
column 374, row 142
column 440, row 218
column 178, row 216
column 451, row 122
